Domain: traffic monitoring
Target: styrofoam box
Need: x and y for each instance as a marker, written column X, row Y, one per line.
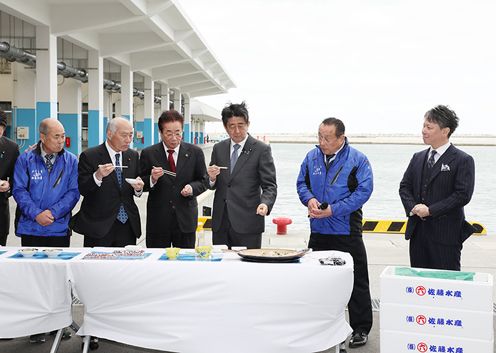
column 474, row 295
column 407, row 342
column 437, row 321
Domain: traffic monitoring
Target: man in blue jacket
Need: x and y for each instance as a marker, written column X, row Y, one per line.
column 335, row 180
column 46, row 189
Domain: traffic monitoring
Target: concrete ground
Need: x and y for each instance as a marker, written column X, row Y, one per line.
column 383, row 250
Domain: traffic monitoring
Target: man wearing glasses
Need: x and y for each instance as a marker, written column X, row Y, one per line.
column 174, row 174
column 335, row 181
column 243, row 174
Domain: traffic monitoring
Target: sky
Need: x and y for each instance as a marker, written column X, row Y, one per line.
column 378, row 65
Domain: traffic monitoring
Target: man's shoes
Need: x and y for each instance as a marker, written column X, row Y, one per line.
column 38, row 338
column 358, row 339
column 66, row 334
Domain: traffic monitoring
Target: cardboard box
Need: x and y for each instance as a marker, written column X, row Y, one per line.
column 402, row 342
column 437, row 321
column 476, row 295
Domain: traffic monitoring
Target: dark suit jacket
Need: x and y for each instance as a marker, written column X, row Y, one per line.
column 101, row 204
column 9, row 151
column 252, row 182
column 166, row 193
column 449, row 188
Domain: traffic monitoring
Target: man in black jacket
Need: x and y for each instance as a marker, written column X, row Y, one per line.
column 9, row 151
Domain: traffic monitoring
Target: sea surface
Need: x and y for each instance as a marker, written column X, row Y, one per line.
column 388, row 164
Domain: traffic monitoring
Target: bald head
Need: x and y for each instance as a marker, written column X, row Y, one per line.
column 52, row 135
column 119, row 134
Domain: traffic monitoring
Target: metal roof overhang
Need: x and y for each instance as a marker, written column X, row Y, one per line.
column 152, row 37
column 202, row 111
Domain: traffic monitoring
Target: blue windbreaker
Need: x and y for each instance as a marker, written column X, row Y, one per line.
column 346, row 186
column 35, row 190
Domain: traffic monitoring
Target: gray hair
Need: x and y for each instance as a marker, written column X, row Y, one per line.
column 44, row 126
column 113, row 124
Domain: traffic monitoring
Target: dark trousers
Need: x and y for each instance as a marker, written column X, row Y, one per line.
column 119, row 236
column 226, row 235
column 360, row 304
column 3, row 239
column 171, row 235
column 57, row 242
column 425, row 253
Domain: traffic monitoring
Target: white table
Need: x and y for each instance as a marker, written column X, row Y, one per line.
column 228, row 306
column 35, row 295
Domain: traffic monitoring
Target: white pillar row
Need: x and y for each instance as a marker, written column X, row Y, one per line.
column 127, row 92
column 24, row 102
column 187, row 119
column 192, row 127
column 148, row 120
column 46, row 74
column 70, row 98
column 95, row 99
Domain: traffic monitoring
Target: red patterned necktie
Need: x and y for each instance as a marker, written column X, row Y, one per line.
column 172, row 164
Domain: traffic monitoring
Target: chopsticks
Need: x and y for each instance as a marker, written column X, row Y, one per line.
column 168, row 172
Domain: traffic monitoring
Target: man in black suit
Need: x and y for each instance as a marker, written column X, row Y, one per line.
column 437, row 184
column 243, row 174
column 108, row 214
column 9, row 151
column 172, row 209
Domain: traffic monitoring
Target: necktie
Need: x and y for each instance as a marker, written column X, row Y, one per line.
column 431, row 161
column 234, row 156
column 48, row 162
column 121, row 215
column 172, row 165
column 328, row 158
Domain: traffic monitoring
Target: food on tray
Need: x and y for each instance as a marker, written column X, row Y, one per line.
column 129, row 253
column 100, row 256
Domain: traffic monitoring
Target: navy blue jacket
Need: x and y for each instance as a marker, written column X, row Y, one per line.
column 36, row 190
column 346, row 186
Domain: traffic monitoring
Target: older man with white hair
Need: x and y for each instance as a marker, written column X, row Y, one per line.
column 108, row 180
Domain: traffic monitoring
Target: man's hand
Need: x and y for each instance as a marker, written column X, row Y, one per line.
column 312, row 205
column 320, row 213
column 4, row 185
column 187, row 190
column 138, row 186
column 421, row 210
column 45, row 218
column 157, row 172
column 212, row 172
column 262, row 210
column 104, row 170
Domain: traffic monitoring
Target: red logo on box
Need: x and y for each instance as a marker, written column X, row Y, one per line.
column 421, row 320
column 422, row 347
column 420, row 290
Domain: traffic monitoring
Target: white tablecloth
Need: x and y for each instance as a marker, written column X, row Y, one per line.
column 35, row 295
column 228, row 306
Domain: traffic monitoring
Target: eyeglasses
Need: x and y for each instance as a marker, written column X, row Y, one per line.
column 170, row 134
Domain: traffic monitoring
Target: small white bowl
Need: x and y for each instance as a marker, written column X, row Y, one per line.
column 52, row 253
column 28, row 252
column 131, row 181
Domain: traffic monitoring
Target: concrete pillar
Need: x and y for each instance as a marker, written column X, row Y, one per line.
column 177, row 100
column 164, row 106
column 107, row 109
column 46, row 74
column 95, row 99
column 24, row 104
column 149, row 104
column 126, row 93
column 187, row 136
column 202, row 131
column 70, row 113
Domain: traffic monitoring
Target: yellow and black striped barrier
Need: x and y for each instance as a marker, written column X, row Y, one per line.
column 399, row 227
column 369, row 226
